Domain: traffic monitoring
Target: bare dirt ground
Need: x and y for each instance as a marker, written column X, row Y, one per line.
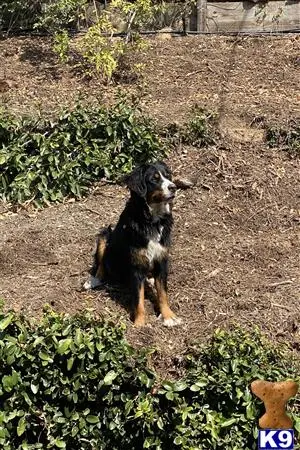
column 236, row 244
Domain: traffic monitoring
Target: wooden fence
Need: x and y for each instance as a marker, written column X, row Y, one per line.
column 245, row 16
column 208, row 16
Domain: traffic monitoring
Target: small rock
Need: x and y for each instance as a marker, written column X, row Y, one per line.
column 4, row 86
column 183, row 183
column 164, row 34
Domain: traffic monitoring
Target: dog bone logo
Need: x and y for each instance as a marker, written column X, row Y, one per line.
column 275, row 397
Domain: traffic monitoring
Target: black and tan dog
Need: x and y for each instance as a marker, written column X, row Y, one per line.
column 138, row 247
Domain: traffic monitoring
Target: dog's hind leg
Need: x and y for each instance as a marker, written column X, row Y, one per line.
column 101, row 245
column 97, row 271
column 138, row 292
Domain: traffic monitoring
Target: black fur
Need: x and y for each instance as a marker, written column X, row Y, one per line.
column 133, row 231
column 147, row 217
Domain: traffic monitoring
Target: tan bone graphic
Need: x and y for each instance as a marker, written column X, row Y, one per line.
column 275, row 397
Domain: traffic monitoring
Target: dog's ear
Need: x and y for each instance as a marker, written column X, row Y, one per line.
column 166, row 167
column 135, row 181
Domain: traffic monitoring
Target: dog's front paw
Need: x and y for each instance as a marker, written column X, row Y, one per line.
column 172, row 321
column 139, row 321
column 92, row 283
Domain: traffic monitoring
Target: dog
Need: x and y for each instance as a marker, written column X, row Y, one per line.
column 138, row 247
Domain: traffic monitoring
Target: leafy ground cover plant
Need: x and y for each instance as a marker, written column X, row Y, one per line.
column 69, row 383
column 44, row 160
column 217, row 408
column 74, row 382
column 285, row 137
column 201, row 129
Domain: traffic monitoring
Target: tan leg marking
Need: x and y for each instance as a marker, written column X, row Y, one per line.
column 169, row 318
column 162, row 298
column 139, row 313
column 100, row 252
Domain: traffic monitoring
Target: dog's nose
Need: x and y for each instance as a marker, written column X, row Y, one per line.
column 172, row 188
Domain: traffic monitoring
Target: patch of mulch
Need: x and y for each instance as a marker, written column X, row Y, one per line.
column 236, row 76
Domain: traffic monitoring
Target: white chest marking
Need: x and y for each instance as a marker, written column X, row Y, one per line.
column 155, row 251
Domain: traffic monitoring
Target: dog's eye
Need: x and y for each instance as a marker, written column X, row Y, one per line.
column 156, row 177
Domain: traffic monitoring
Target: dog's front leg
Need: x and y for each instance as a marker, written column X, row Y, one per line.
column 138, row 299
column 161, row 277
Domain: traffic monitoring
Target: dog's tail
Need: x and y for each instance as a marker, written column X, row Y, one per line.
column 101, row 243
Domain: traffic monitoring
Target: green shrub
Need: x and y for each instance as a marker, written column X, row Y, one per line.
column 285, row 137
column 217, row 408
column 71, row 383
column 100, row 53
column 61, row 45
column 75, row 383
column 18, row 14
column 58, row 15
column 200, row 130
column 43, row 160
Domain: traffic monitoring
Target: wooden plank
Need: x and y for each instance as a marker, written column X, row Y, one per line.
column 275, row 15
column 201, row 15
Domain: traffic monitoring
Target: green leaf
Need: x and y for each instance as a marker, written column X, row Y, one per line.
column 34, row 387
column 228, row 422
column 60, row 443
column 10, row 360
column 78, row 337
column 180, row 386
column 92, row 419
column 160, row 423
column 178, row 440
column 6, row 321
column 44, row 356
column 74, row 431
column 70, row 363
column 168, row 385
column 21, row 426
column 26, row 398
column 10, row 381
column 250, row 411
column 170, row 396
column 138, row 414
column 297, row 425
column 63, row 345
column 109, row 377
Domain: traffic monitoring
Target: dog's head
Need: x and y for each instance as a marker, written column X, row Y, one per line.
column 153, row 182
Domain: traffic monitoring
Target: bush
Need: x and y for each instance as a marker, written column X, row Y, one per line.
column 60, row 15
column 285, row 137
column 97, row 52
column 201, row 128
column 100, row 54
column 43, row 160
column 199, row 131
column 75, row 383
column 69, row 383
column 19, row 14
column 217, row 407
